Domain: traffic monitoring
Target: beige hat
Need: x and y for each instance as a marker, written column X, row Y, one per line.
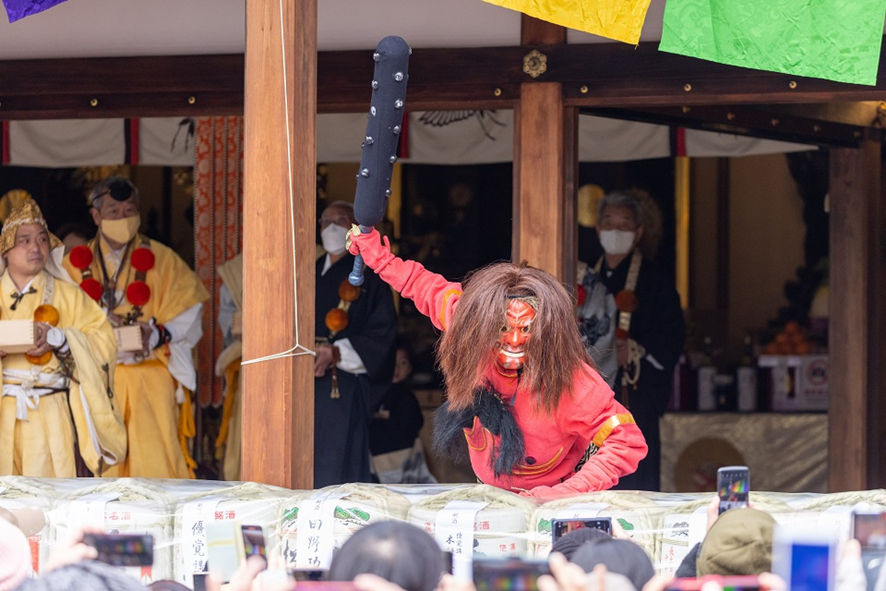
column 739, row 543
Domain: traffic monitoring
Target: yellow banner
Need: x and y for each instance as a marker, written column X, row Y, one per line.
column 621, row 20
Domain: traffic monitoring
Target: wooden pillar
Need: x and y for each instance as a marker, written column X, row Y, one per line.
column 854, row 198
column 545, row 167
column 278, row 395
column 877, row 348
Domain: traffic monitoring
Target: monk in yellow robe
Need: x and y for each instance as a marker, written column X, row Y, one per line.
column 228, row 443
column 60, row 391
column 140, row 282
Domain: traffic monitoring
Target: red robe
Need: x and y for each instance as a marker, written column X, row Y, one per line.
column 554, row 444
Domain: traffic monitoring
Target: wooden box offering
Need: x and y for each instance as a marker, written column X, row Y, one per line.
column 237, row 324
column 17, row 336
column 129, row 338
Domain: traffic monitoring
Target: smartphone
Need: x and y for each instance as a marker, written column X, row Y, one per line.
column 738, row 583
column 122, row 549
column 308, row 574
column 561, row 527
column 508, row 574
column 253, row 541
column 733, row 487
column 228, row 544
column 447, row 561
column 870, row 531
column 804, row 558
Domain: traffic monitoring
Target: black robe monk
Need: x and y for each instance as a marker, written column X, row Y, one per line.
column 657, row 325
column 341, row 425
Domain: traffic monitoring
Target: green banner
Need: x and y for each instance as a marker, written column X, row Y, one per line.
column 831, row 39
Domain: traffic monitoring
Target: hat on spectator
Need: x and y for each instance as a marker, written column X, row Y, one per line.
column 739, row 543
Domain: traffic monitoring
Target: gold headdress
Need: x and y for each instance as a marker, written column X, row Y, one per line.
column 11, row 201
column 27, row 213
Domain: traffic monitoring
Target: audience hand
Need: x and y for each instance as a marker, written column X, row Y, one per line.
column 245, row 578
column 618, row 532
column 713, row 512
column 850, row 569
column 774, row 582
column 450, row 583
column 564, row 576
column 71, row 549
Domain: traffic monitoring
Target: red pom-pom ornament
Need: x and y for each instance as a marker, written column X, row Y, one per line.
column 138, row 293
column 581, row 294
column 81, row 257
column 142, row 259
column 92, row 288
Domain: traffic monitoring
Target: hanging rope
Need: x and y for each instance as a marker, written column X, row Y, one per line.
column 296, row 349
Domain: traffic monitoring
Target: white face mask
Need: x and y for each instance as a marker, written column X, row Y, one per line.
column 333, row 239
column 617, row 242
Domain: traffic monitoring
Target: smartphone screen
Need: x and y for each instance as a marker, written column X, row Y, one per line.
column 561, row 527
column 870, row 529
column 122, row 549
column 810, row 568
column 253, row 540
column 509, row 574
column 733, row 487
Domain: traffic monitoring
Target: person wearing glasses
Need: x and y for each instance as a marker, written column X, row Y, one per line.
column 355, row 330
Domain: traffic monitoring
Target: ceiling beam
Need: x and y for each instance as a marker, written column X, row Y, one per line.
column 748, row 121
column 592, row 75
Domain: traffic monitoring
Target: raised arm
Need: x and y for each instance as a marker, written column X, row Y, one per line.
column 434, row 297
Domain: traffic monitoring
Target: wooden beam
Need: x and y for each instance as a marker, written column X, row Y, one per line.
column 592, row 75
column 158, row 86
column 854, row 188
column 279, row 209
column 745, row 120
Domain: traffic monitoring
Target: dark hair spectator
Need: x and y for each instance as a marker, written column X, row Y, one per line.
column 83, row 576
column 398, row 552
column 618, row 556
column 569, row 544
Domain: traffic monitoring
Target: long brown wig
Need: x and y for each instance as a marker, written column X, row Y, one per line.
column 553, row 354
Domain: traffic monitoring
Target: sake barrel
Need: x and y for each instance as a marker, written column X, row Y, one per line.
column 247, row 503
column 331, row 515
column 497, row 524
column 124, row 506
column 636, row 515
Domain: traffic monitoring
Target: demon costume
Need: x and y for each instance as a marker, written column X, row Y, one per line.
column 538, row 418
